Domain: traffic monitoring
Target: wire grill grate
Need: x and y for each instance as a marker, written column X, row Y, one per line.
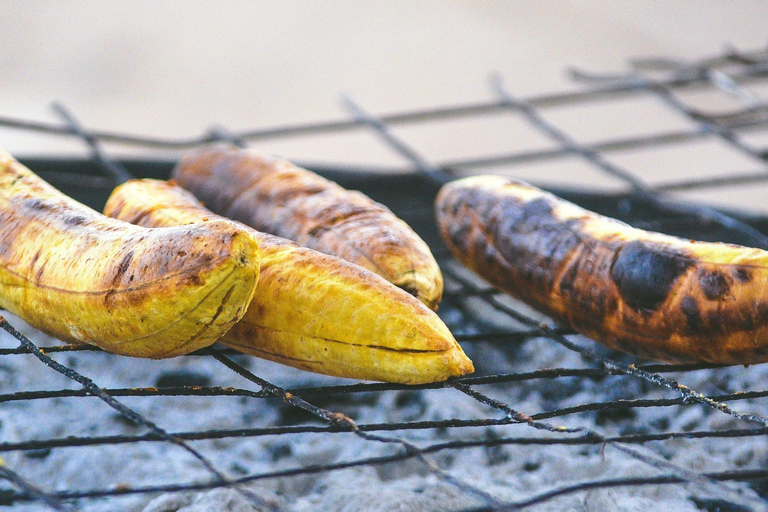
column 484, row 321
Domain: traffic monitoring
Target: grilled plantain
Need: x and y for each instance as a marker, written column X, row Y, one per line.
column 311, row 310
column 645, row 293
column 82, row 277
column 274, row 196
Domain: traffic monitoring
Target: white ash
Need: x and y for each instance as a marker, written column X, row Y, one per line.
column 509, row 473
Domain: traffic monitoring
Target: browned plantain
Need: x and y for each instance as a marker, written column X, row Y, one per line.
column 83, row 277
column 645, row 293
column 314, row 311
column 274, row 196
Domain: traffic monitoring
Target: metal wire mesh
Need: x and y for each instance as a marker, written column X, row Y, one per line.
column 481, row 318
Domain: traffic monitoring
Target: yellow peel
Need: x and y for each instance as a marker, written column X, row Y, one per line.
column 314, row 311
column 83, row 277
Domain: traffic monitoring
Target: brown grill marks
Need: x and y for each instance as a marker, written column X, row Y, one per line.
column 635, row 291
column 122, row 268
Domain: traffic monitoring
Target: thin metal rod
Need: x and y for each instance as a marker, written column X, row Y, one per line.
column 222, row 134
column 710, row 486
column 339, row 420
column 566, row 141
column 737, row 475
column 755, row 68
column 33, row 491
column 550, row 373
column 639, row 188
column 90, row 386
column 609, row 483
column 606, row 146
column 117, row 171
column 510, row 419
column 722, row 132
column 79, row 441
column 424, row 167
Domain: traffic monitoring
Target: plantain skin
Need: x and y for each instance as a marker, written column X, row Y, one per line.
column 82, row 277
column 649, row 294
column 314, row 311
column 274, row 196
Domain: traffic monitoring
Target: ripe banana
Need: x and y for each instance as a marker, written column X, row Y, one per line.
column 645, row 293
column 82, row 277
column 274, row 196
column 311, row 310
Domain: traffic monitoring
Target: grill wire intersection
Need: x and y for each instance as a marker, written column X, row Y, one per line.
column 481, row 318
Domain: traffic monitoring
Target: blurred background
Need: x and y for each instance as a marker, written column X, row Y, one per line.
column 174, row 69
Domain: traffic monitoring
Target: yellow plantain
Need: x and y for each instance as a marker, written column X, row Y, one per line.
column 645, row 293
column 274, row 196
column 314, row 311
column 82, row 277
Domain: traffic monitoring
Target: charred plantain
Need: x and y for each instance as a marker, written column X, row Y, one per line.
column 82, row 277
column 274, row 196
column 314, row 311
column 645, row 293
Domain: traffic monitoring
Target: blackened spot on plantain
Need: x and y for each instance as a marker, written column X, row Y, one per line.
column 192, row 279
column 483, row 204
column 538, row 208
column 569, row 277
column 742, row 275
column 458, row 232
column 411, row 289
column 120, row 271
column 511, row 217
column 74, row 220
column 477, row 244
column 692, row 314
column 37, row 204
column 452, row 204
column 529, row 216
column 714, row 284
column 645, row 274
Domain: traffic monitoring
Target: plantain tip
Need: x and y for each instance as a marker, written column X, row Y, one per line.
column 463, row 365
